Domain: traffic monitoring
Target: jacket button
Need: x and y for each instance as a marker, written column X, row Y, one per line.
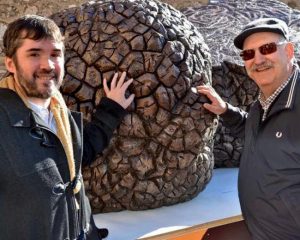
column 279, row 134
column 58, row 189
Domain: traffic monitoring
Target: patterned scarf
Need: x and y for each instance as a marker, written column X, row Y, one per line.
column 60, row 113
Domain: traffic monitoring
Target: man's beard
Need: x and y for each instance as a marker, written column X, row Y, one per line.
column 30, row 86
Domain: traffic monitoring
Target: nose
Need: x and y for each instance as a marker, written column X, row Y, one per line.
column 258, row 57
column 47, row 63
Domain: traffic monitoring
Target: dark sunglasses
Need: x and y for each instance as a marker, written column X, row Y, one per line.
column 265, row 49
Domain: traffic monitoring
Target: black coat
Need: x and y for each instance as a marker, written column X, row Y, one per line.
column 269, row 175
column 36, row 197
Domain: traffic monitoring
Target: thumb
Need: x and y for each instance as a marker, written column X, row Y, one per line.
column 128, row 101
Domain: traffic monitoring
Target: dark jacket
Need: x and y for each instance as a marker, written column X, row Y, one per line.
column 36, row 196
column 269, row 175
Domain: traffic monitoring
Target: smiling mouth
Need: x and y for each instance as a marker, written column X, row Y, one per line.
column 46, row 79
column 262, row 69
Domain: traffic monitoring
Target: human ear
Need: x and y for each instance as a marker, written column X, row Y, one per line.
column 10, row 65
column 290, row 50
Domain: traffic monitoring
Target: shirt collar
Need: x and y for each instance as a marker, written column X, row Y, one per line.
column 45, row 114
column 266, row 103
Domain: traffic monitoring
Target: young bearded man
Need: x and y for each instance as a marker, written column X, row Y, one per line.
column 43, row 145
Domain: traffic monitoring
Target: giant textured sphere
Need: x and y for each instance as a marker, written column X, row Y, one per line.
column 162, row 152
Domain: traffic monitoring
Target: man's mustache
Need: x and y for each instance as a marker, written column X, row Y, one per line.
column 45, row 73
column 263, row 65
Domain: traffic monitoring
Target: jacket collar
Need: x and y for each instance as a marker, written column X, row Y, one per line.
column 19, row 115
column 286, row 98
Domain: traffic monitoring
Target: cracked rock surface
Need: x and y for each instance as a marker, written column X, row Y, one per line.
column 162, row 152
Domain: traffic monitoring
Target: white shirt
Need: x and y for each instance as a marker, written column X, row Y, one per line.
column 45, row 115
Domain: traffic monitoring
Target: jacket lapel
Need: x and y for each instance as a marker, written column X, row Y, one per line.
column 19, row 115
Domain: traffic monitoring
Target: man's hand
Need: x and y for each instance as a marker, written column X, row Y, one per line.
column 217, row 105
column 117, row 90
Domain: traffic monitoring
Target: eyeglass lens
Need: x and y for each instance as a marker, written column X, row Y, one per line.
column 264, row 50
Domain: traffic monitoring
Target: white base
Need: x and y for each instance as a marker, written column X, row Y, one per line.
column 218, row 201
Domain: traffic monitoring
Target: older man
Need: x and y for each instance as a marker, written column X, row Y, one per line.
column 269, row 176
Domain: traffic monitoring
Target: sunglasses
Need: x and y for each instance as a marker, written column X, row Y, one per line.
column 265, row 49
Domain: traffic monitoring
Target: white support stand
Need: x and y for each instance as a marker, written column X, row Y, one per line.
column 217, row 205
